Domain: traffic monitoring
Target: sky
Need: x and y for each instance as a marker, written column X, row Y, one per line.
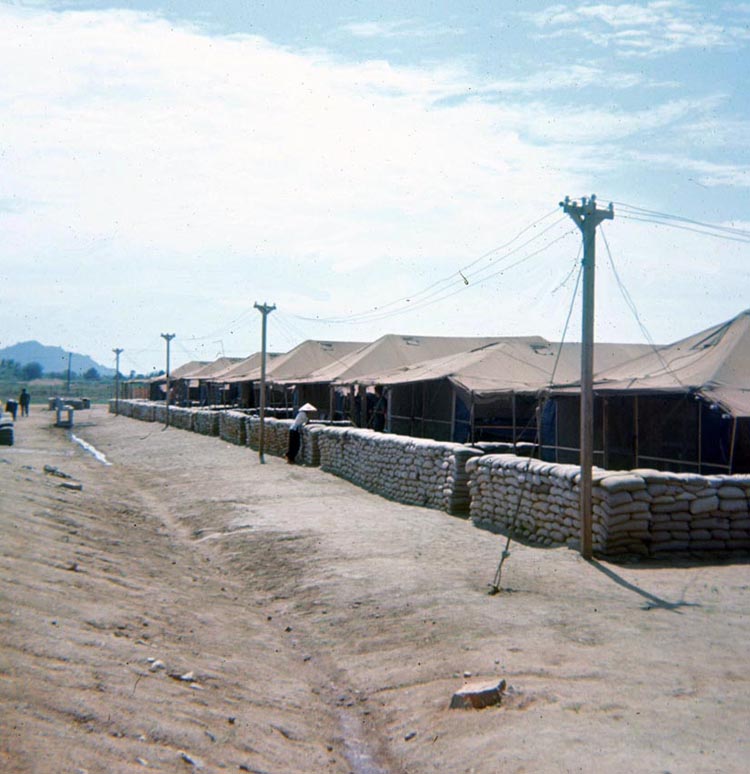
column 367, row 168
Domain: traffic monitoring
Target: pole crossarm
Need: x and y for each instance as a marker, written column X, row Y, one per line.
column 587, row 217
column 586, row 214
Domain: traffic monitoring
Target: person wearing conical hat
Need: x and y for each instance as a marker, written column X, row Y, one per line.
column 295, row 437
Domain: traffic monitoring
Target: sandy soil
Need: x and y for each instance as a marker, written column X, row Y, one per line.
column 192, row 610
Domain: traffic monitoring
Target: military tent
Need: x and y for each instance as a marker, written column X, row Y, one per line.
column 681, row 407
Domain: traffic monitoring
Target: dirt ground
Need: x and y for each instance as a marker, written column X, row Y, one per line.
column 193, row 610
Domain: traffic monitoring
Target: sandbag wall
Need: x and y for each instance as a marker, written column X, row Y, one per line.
column 145, row 411
column 233, row 427
column 645, row 512
column 275, row 437
column 414, row 471
column 206, row 422
column 126, row 407
column 181, row 418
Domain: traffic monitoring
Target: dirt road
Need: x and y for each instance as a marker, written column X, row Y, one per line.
column 192, row 610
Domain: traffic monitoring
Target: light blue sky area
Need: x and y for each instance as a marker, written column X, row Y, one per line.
column 165, row 165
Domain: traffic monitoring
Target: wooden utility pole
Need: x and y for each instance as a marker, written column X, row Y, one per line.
column 117, row 352
column 167, row 337
column 70, row 358
column 265, row 310
column 587, row 217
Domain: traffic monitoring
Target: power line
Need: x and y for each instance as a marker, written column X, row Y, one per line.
column 683, row 219
column 718, row 231
column 464, row 273
column 567, row 322
column 634, row 309
column 569, row 274
column 658, row 222
column 434, row 297
column 225, row 328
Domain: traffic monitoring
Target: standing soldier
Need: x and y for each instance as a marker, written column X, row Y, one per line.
column 24, row 400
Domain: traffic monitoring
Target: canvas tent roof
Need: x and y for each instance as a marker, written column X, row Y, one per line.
column 185, row 371
column 239, row 371
column 714, row 363
column 305, row 358
column 394, row 351
column 504, row 366
column 213, row 369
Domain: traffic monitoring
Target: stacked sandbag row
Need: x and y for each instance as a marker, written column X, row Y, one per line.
column 206, row 422
column 688, row 512
column 414, row 471
column 181, row 418
column 125, row 407
column 233, row 427
column 622, row 512
column 538, row 501
column 645, row 512
column 310, row 450
column 145, row 411
column 275, row 435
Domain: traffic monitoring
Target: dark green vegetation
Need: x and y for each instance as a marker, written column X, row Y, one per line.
column 99, row 391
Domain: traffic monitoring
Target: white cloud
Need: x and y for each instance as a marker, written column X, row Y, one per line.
column 155, row 177
column 399, row 28
column 705, row 173
column 647, row 29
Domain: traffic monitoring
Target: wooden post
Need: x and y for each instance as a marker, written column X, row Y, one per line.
column 117, row 352
column 168, row 338
column 265, row 310
column 587, row 217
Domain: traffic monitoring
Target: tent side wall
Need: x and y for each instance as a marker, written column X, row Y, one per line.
column 422, row 409
column 672, row 432
column 508, row 418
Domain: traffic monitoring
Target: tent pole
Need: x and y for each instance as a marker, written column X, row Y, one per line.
column 700, row 437
column 605, row 420
column 557, row 431
column 331, row 392
column 364, row 424
column 424, row 398
column 513, row 414
column 411, row 418
column 453, row 417
column 473, row 418
column 732, row 444
column 636, row 450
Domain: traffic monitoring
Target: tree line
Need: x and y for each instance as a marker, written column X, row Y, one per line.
column 28, row 372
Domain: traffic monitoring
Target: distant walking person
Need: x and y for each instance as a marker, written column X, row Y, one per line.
column 24, row 399
column 295, row 437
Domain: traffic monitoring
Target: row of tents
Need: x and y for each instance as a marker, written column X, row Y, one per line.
column 684, row 406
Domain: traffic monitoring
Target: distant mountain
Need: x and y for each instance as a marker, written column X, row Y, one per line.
column 52, row 359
